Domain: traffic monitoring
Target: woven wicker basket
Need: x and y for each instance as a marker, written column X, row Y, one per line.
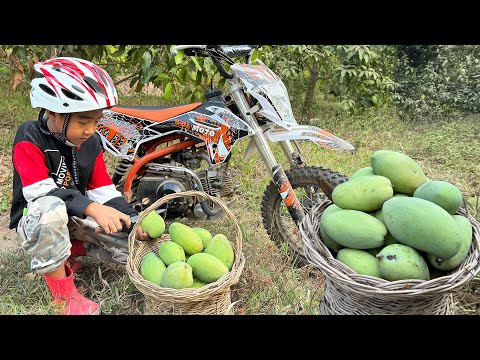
column 349, row 293
column 213, row 298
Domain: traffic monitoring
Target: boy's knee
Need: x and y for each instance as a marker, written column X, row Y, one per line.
column 49, row 210
column 44, row 233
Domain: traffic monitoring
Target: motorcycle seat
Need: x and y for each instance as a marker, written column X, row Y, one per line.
column 155, row 113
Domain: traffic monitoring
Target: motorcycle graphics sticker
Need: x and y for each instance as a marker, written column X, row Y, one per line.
column 219, row 130
column 287, row 193
column 123, row 134
column 306, row 132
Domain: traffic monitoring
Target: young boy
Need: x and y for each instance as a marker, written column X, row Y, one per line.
column 60, row 178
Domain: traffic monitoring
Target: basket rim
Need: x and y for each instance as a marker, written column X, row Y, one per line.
column 186, row 295
column 320, row 257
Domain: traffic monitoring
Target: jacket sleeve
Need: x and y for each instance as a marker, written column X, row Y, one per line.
column 29, row 162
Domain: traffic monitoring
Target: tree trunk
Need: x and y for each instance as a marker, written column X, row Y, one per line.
column 307, row 105
column 326, row 88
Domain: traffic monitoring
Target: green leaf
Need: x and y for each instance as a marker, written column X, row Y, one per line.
column 179, row 57
column 257, row 54
column 199, row 95
column 209, row 69
column 146, row 61
column 148, row 76
column 221, row 83
column 198, row 80
column 119, row 51
column 167, row 92
column 195, row 61
column 21, row 52
column 182, row 74
column 163, row 76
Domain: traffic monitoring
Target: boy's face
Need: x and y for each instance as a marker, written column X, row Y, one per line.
column 81, row 125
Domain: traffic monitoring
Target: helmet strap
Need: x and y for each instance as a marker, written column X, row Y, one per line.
column 63, row 138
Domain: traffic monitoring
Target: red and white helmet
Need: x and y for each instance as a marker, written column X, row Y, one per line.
column 67, row 85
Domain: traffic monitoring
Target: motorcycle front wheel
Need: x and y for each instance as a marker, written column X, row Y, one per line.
column 277, row 221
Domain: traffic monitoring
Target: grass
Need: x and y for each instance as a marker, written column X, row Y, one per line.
column 448, row 149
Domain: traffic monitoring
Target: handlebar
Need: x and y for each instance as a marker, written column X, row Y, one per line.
column 227, row 52
column 231, row 51
column 175, row 49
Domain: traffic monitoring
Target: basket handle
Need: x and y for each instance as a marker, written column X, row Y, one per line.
column 165, row 199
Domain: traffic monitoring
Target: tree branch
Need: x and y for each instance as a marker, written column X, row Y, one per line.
column 126, row 78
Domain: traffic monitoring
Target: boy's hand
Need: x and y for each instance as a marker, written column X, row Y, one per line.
column 141, row 235
column 108, row 218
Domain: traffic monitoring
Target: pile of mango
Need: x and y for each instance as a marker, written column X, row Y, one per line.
column 390, row 221
column 191, row 259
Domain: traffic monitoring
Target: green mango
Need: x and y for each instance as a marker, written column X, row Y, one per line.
column 466, row 234
column 422, row 225
column 153, row 224
column 198, row 283
column 324, row 237
column 329, row 242
column 405, row 173
column 364, row 193
column 186, row 237
column 379, row 215
column 152, row 268
column 442, row 193
column 330, row 208
column 220, row 247
column 360, row 261
column 177, row 276
column 363, row 172
column 170, row 252
column 401, row 262
column 207, row 267
column 204, row 234
column 354, row 229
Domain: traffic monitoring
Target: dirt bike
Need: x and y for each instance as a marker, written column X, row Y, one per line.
column 171, row 149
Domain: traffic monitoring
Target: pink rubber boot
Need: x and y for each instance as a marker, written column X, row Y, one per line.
column 77, row 249
column 65, row 294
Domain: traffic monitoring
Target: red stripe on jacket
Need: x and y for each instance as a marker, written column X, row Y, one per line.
column 29, row 161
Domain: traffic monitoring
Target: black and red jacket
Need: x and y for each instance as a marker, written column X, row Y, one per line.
column 43, row 166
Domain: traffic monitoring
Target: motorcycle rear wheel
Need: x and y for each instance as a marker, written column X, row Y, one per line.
column 276, row 218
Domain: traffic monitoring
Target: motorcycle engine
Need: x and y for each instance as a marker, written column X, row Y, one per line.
column 156, row 184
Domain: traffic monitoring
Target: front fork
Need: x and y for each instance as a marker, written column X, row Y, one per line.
column 280, row 179
column 295, row 158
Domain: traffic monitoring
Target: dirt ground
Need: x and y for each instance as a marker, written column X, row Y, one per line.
column 8, row 238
